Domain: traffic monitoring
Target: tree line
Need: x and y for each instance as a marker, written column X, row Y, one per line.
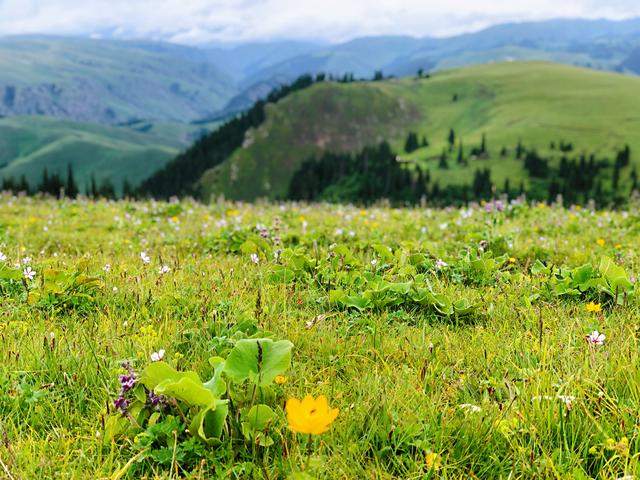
column 376, row 173
column 65, row 186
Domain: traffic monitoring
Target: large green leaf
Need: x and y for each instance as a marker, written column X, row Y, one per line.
column 217, row 384
column 157, row 372
column 187, row 390
column 256, row 423
column 258, row 360
column 163, row 379
column 615, row 275
column 208, row 423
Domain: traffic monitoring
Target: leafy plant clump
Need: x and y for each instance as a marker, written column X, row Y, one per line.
column 167, row 411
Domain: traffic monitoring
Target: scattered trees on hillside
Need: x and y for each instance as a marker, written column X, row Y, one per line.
column 180, row 176
column 376, row 174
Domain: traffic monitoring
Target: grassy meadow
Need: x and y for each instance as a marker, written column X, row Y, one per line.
column 163, row 341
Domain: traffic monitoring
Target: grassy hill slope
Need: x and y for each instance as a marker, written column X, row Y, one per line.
column 532, row 101
column 28, row 144
column 108, row 81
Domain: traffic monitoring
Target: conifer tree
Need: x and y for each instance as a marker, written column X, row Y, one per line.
column 127, row 190
column 460, row 158
column 443, row 160
column 71, row 188
column 411, row 145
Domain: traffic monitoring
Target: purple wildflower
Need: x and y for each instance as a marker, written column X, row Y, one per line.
column 156, row 400
column 121, row 404
column 127, row 382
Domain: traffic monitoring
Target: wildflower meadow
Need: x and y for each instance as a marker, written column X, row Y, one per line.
column 151, row 340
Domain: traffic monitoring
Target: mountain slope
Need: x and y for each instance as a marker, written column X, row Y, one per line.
column 536, row 102
column 29, row 144
column 108, row 81
column 602, row 44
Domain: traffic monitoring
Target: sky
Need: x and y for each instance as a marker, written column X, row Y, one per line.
column 238, row 21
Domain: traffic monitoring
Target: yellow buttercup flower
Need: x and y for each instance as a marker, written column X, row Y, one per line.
column 433, row 461
column 594, row 307
column 310, row 415
column 280, row 379
column 600, row 242
column 512, row 260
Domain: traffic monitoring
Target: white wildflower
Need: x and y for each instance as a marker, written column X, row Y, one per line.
column 157, row 356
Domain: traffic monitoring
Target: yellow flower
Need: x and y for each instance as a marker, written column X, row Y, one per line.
column 600, row 242
column 433, row 461
column 594, row 307
column 512, row 260
column 280, row 379
column 310, row 415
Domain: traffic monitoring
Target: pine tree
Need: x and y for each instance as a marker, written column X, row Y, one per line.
column 411, row 145
column 127, row 190
column 443, row 160
column 451, row 139
column 460, row 158
column 93, row 192
column 71, row 188
column 44, row 186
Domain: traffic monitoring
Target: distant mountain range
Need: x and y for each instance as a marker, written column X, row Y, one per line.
column 111, row 81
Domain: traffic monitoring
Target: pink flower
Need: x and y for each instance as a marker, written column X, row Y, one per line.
column 29, row 273
column 596, row 338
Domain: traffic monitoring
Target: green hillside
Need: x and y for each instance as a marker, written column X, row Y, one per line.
column 108, row 81
column 29, row 144
column 534, row 102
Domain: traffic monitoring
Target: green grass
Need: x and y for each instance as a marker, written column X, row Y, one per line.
column 29, row 144
column 533, row 101
column 402, row 374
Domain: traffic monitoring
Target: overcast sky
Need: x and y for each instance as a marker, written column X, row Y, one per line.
column 201, row 21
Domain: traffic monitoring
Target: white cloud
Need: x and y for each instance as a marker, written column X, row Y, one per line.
column 197, row 21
